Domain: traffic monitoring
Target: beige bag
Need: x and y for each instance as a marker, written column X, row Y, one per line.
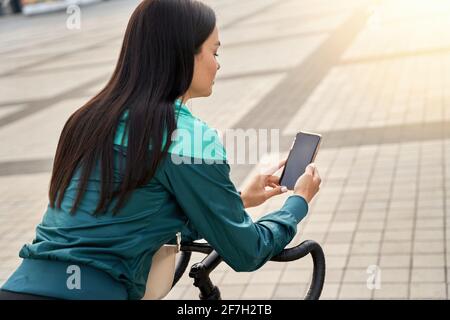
column 162, row 271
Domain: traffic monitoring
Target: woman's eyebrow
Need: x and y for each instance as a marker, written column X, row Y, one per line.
column 218, row 43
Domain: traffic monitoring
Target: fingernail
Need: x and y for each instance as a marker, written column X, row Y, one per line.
column 284, row 189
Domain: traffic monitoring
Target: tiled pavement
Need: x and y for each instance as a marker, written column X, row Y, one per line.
column 371, row 76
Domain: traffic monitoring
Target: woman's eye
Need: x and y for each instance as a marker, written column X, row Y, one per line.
column 216, row 55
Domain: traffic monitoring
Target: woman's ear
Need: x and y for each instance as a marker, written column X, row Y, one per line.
column 199, row 55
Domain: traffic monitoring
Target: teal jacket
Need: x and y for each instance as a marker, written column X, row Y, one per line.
column 190, row 193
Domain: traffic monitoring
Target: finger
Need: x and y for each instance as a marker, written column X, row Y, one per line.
column 310, row 169
column 317, row 176
column 316, row 172
column 275, row 191
column 282, row 163
column 274, row 179
column 273, row 185
column 317, row 180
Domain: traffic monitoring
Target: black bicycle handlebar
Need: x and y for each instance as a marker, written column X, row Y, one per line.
column 298, row 252
column 290, row 254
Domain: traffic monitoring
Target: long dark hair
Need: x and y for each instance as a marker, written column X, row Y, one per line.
column 155, row 67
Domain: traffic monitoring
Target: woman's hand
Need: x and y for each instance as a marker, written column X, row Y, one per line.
column 255, row 192
column 308, row 184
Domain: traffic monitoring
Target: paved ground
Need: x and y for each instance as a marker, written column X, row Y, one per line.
column 371, row 76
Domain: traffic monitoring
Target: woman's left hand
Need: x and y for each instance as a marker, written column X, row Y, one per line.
column 255, row 192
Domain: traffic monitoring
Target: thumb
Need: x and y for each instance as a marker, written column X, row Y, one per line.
column 275, row 191
column 310, row 169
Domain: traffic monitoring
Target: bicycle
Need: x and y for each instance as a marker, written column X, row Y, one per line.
column 208, row 291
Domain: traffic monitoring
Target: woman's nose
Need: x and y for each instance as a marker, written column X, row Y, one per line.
column 218, row 66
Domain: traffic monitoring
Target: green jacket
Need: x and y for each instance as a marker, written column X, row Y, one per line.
column 191, row 192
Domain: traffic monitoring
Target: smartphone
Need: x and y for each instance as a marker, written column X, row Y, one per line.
column 303, row 152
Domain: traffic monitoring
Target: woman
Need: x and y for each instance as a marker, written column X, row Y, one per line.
column 120, row 189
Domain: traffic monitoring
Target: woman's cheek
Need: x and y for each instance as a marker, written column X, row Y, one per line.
column 215, row 68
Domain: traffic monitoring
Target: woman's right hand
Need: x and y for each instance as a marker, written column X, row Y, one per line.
column 308, row 184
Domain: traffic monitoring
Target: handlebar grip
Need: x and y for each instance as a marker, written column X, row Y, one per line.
column 319, row 265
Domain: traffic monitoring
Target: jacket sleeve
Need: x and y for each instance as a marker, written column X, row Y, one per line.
column 215, row 209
